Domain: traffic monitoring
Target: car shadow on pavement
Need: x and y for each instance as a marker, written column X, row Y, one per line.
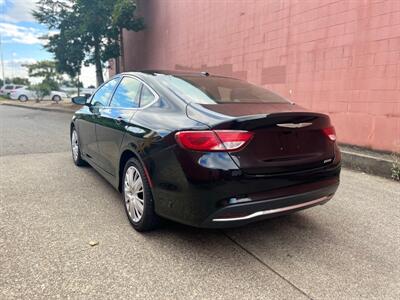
column 295, row 231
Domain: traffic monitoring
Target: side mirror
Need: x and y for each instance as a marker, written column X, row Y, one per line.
column 80, row 100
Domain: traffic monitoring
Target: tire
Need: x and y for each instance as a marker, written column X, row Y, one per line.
column 134, row 200
column 76, row 150
column 23, row 98
column 56, row 98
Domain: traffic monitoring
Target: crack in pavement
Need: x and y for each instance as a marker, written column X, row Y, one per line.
column 265, row 264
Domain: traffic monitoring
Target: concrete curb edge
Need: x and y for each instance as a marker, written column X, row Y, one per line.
column 59, row 110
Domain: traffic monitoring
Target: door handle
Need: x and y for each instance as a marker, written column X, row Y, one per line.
column 95, row 112
column 119, row 120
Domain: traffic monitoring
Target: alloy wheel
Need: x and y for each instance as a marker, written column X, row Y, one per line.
column 134, row 194
column 23, row 98
column 56, row 98
column 74, row 145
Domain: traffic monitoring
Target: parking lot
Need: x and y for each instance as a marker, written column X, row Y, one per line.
column 50, row 210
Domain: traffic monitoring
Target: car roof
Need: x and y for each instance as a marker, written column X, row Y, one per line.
column 173, row 73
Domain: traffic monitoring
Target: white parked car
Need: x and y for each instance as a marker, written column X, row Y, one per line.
column 9, row 88
column 25, row 94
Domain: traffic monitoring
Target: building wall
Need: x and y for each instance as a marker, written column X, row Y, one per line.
column 340, row 57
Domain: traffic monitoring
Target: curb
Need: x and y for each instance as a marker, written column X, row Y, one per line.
column 379, row 165
column 59, row 110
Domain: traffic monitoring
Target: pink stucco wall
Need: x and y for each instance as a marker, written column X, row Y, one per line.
column 340, row 57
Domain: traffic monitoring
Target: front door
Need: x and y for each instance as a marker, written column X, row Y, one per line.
column 111, row 126
column 88, row 133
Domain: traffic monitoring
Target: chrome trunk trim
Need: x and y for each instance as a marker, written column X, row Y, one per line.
column 293, row 125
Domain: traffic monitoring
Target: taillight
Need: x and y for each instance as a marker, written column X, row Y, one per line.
column 330, row 133
column 213, row 140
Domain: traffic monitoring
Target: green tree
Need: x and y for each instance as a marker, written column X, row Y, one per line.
column 47, row 70
column 89, row 31
column 72, row 83
column 20, row 81
column 7, row 81
column 122, row 19
column 41, row 90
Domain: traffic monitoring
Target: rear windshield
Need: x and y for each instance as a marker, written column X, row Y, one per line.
column 213, row 89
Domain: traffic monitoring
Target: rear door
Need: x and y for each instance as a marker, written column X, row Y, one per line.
column 113, row 120
column 8, row 89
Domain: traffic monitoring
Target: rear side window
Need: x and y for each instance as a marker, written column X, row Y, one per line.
column 103, row 95
column 126, row 94
column 8, row 87
column 214, row 89
column 146, row 96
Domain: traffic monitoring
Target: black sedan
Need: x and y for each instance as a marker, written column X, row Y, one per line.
column 204, row 150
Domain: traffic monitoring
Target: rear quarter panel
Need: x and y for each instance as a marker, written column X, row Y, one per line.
column 150, row 135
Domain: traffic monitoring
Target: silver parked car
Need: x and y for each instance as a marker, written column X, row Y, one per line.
column 24, row 94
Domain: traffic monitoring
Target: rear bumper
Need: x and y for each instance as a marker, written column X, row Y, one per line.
column 241, row 214
column 209, row 190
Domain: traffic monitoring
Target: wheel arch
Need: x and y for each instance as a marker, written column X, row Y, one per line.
column 71, row 127
column 126, row 155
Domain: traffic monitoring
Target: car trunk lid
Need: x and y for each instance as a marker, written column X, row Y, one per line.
column 287, row 138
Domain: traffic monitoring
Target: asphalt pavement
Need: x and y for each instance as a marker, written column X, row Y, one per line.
column 51, row 210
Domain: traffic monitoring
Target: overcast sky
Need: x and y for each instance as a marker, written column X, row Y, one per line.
column 20, row 40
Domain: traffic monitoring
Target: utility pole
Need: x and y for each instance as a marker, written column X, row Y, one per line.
column 2, row 60
column 1, row 46
column 79, row 89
